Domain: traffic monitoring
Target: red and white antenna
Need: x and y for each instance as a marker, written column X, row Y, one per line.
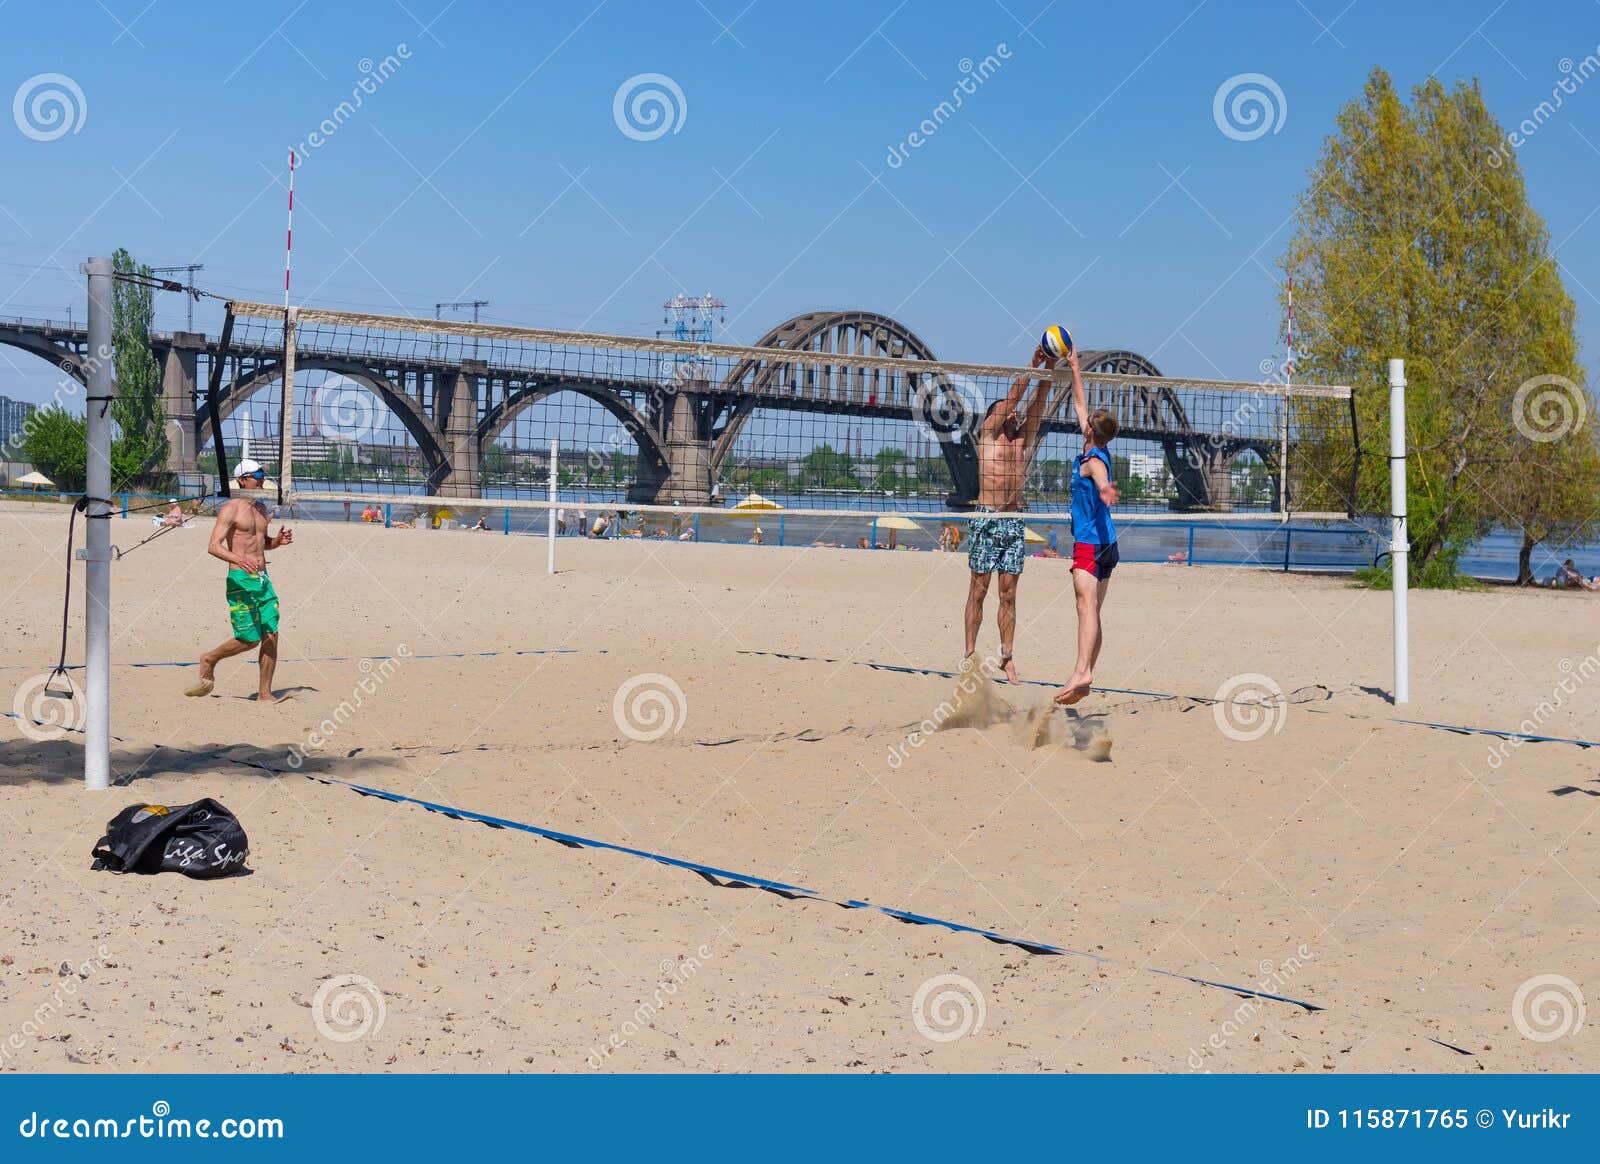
column 288, row 235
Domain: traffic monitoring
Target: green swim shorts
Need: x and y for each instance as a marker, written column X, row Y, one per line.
column 252, row 605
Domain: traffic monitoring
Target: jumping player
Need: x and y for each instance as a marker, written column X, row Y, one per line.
column 240, row 538
column 1005, row 446
column 1094, row 535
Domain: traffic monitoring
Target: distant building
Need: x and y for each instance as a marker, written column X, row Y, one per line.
column 13, row 418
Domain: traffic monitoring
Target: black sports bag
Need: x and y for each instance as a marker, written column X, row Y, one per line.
column 202, row 839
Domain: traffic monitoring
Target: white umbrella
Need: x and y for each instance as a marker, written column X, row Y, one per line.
column 35, row 478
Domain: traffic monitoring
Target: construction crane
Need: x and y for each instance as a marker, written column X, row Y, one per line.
column 472, row 303
column 188, row 269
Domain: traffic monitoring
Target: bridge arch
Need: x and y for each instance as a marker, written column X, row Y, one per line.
column 418, row 424
column 63, row 354
column 501, row 416
column 845, row 333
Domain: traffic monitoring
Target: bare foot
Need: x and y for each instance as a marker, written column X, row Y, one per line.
column 1008, row 668
column 205, row 681
column 1077, row 687
column 269, row 697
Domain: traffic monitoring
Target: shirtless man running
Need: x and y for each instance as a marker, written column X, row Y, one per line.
column 240, row 538
column 1005, row 441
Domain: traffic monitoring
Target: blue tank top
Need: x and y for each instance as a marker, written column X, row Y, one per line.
column 1091, row 517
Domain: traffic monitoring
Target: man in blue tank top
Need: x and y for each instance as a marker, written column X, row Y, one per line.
column 1094, row 534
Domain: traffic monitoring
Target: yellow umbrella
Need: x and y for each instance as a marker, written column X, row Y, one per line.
column 896, row 521
column 755, row 503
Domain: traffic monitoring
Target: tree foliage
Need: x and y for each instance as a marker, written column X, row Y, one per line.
column 1411, row 242
column 53, row 441
column 140, row 450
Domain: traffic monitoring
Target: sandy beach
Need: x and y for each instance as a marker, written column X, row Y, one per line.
column 1408, row 882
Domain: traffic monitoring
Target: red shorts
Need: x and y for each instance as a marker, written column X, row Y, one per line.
column 1094, row 559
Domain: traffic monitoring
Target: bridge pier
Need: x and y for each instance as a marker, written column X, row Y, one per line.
column 178, row 386
column 686, row 477
column 456, row 414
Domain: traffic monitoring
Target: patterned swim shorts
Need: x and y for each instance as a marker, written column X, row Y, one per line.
column 996, row 544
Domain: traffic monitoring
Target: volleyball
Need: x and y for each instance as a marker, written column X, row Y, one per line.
column 1057, row 341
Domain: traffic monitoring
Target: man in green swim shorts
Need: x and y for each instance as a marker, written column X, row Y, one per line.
column 241, row 539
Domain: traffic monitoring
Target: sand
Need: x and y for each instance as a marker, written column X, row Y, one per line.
column 1409, row 882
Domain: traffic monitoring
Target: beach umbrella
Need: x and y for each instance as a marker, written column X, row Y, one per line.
column 755, row 503
column 37, row 479
column 896, row 521
column 1030, row 536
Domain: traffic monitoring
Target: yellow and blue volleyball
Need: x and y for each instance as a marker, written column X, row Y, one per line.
column 1057, row 341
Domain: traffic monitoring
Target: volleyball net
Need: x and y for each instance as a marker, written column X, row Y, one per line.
column 847, row 418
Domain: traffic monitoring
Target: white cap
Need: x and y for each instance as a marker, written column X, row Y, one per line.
column 246, row 468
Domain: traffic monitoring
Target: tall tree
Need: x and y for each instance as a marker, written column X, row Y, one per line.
column 1415, row 238
column 140, row 449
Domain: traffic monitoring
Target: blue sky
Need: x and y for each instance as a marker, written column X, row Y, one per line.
column 1085, row 180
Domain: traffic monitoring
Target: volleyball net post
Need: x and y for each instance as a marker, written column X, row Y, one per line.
column 96, row 551
column 1399, row 535
column 550, row 516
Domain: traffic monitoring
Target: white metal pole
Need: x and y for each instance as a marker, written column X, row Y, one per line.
column 550, row 514
column 96, row 552
column 1399, row 539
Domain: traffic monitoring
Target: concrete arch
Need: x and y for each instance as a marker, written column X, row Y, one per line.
column 847, row 333
column 500, row 417
column 66, row 359
column 417, row 423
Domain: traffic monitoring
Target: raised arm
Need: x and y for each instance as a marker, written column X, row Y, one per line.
column 1080, row 400
column 997, row 417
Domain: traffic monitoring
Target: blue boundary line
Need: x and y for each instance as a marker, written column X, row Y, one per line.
column 1460, row 729
column 728, row 878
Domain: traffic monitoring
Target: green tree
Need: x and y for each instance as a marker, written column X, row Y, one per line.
column 1416, row 239
column 140, row 448
column 54, row 442
column 890, row 468
column 824, row 467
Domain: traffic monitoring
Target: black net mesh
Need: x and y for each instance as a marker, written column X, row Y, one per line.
column 384, row 408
